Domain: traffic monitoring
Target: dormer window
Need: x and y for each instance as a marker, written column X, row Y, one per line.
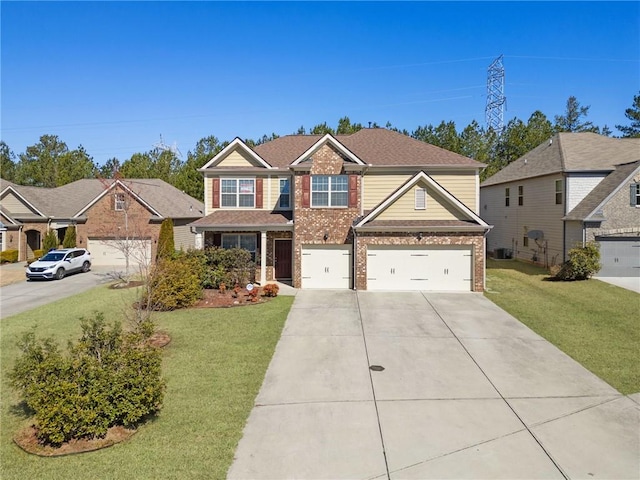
column 237, row 192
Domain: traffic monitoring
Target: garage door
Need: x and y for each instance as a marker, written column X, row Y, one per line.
column 112, row 252
column 326, row 267
column 428, row 268
column 620, row 257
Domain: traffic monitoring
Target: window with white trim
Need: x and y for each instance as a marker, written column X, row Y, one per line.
column 284, row 200
column 558, row 192
column 520, row 195
column 635, row 194
column 329, row 191
column 506, row 197
column 240, row 240
column 238, row 192
column 420, row 198
column 119, row 201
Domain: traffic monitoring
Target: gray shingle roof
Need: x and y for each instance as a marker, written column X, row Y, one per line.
column 67, row 200
column 374, row 146
column 586, row 208
column 569, row 152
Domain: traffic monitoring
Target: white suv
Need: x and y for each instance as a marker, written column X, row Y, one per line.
column 57, row 263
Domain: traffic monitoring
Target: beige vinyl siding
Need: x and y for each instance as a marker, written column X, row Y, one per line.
column 208, row 188
column 379, row 187
column 14, row 205
column 271, row 189
column 573, row 234
column 238, row 159
column 461, row 185
column 511, row 224
column 404, row 208
column 182, row 236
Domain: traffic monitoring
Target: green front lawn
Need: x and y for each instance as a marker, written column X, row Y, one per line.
column 595, row 323
column 214, row 367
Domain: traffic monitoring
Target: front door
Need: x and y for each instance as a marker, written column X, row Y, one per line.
column 282, row 258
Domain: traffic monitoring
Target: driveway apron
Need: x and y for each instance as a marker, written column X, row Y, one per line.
column 465, row 391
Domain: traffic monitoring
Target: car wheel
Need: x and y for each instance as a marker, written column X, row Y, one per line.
column 60, row 274
column 85, row 267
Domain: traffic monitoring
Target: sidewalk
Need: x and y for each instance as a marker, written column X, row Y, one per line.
column 466, row 391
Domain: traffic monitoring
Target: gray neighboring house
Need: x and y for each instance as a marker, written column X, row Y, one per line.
column 573, row 188
column 106, row 213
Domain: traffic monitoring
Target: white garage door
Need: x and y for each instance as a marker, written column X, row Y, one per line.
column 326, row 266
column 112, row 252
column 428, row 268
column 619, row 257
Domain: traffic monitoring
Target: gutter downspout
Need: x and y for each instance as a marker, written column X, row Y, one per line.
column 484, row 260
column 354, row 265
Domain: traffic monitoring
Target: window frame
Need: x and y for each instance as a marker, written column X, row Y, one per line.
column 520, row 195
column 238, row 242
column 636, row 194
column 237, row 193
column 507, row 197
column 525, row 241
column 119, row 201
column 281, row 195
column 330, row 192
column 559, row 192
column 420, row 191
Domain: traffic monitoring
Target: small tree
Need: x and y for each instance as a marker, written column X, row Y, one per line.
column 583, row 262
column 166, row 245
column 50, row 241
column 69, row 240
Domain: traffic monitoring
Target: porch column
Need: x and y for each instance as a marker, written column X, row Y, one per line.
column 263, row 257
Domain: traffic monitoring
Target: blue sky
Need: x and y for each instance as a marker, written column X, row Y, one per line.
column 113, row 76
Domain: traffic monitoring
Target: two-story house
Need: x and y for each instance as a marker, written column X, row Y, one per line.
column 375, row 210
column 573, row 188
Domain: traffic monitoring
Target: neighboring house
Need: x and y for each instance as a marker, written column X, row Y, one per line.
column 375, row 210
column 109, row 215
column 573, row 188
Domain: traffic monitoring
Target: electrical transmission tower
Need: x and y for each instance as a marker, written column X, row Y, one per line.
column 494, row 112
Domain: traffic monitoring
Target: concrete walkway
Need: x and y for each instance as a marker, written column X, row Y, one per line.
column 467, row 391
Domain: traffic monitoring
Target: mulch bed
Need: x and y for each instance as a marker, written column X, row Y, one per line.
column 214, row 299
column 27, row 441
column 122, row 285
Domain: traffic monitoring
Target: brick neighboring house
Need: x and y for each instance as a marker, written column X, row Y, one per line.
column 573, row 188
column 106, row 214
column 375, row 210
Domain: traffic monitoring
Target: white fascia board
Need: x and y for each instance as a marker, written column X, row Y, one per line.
column 17, row 194
column 124, row 187
column 8, row 218
column 434, row 228
column 433, row 184
column 328, row 138
column 236, row 143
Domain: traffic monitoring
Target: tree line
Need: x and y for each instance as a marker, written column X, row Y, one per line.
column 50, row 162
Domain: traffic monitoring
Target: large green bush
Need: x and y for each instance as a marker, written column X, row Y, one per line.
column 583, row 263
column 69, row 240
column 166, row 243
column 107, row 378
column 229, row 266
column 9, row 256
column 174, row 283
column 50, row 240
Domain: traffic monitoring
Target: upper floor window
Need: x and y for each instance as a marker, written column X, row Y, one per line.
column 329, row 191
column 558, row 192
column 119, row 201
column 635, row 194
column 284, row 200
column 506, row 197
column 520, row 195
column 237, row 192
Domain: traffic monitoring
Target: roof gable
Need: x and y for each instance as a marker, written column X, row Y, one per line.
column 11, row 193
column 452, row 203
column 112, row 187
column 237, row 146
column 328, row 139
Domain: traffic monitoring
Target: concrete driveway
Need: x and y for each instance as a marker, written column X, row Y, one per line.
column 467, row 391
column 21, row 296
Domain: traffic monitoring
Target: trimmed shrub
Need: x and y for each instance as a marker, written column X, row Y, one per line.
column 50, row 241
column 270, row 290
column 107, row 378
column 38, row 253
column 69, row 240
column 583, row 263
column 219, row 265
column 9, row 256
column 174, row 283
column 166, row 244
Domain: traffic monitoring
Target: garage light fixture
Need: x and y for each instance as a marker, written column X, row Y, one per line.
column 420, row 236
column 325, row 236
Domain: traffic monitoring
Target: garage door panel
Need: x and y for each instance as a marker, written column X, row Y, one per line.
column 619, row 257
column 112, row 252
column 427, row 268
column 326, row 267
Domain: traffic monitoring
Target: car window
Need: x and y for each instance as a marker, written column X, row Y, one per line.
column 52, row 257
column 79, row 253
